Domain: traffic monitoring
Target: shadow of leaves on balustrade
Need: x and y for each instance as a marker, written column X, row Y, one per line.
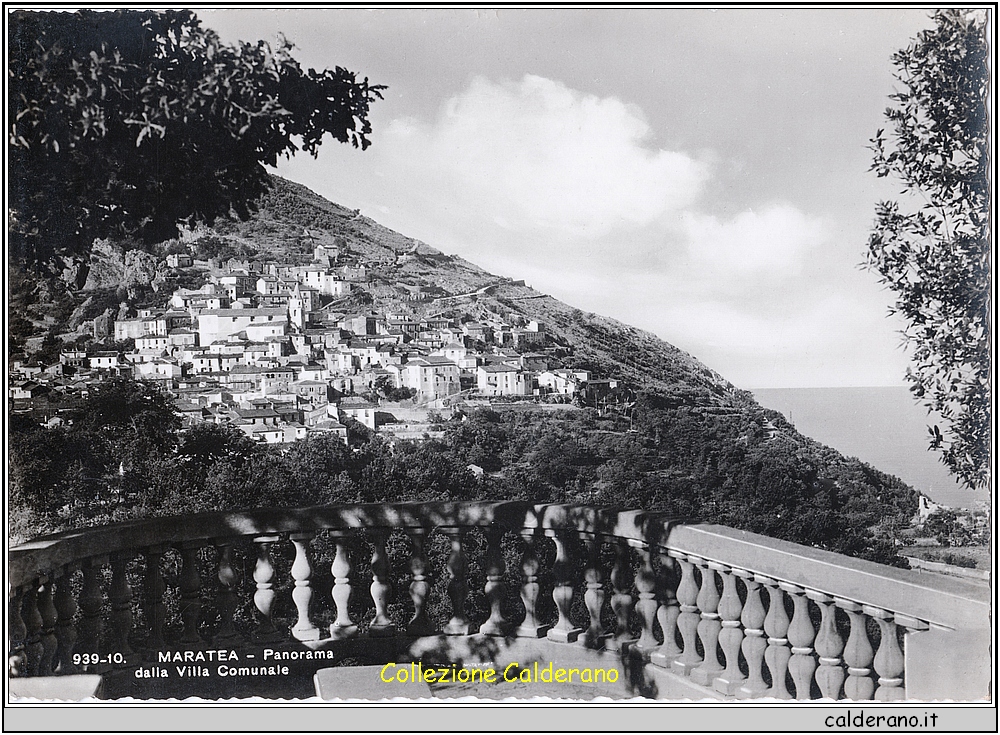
column 520, row 522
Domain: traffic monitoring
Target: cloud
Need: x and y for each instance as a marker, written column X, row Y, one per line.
column 532, row 179
column 776, row 239
column 542, row 156
column 832, row 340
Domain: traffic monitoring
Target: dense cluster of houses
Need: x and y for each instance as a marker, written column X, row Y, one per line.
column 261, row 346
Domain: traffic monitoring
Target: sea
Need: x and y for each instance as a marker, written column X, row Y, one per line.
column 882, row 426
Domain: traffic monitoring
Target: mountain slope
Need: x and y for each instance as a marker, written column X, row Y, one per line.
column 615, row 349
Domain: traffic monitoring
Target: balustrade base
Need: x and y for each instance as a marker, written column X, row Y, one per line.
column 306, row 634
column 457, row 628
column 644, row 650
column 563, row 636
column 493, row 629
column 616, row 643
column 381, row 631
column 338, row 632
column 593, row 642
column 727, row 686
column 683, row 668
column 890, row 694
column 705, row 677
column 532, row 631
column 664, row 661
column 744, row 693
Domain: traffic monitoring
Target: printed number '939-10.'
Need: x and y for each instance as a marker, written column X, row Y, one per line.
column 90, row 659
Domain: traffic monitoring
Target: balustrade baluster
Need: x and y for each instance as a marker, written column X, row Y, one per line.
column 776, row 626
column 562, row 591
column 709, row 626
column 858, row 654
column 263, row 598
column 731, row 636
column 667, row 613
column 754, row 643
column 889, row 661
column 593, row 598
column 420, row 586
column 226, row 599
column 156, row 613
column 621, row 599
column 530, row 627
column 829, row 645
column 120, row 597
column 494, row 589
column 47, row 614
column 800, row 635
column 646, row 606
column 687, row 621
column 33, row 622
column 341, row 568
column 91, row 604
column 190, row 588
column 65, row 631
column 17, row 661
column 458, row 584
column 381, row 625
column 302, row 593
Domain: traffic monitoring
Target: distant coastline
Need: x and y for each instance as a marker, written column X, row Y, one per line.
column 882, row 426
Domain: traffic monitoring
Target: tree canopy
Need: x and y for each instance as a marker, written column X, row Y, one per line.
column 932, row 247
column 125, row 123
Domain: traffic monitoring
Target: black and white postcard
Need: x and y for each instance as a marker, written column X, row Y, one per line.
column 392, row 360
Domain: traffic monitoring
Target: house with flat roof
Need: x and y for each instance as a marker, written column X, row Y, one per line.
column 502, row 380
column 433, row 377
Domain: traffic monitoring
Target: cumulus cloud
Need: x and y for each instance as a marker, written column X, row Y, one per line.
column 533, row 179
column 543, row 156
column 577, row 173
column 776, row 239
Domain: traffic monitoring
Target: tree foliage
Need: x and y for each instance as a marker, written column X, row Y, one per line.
column 932, row 247
column 125, row 456
column 125, row 123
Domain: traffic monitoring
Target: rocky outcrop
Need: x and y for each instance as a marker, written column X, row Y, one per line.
column 73, row 272
column 134, row 271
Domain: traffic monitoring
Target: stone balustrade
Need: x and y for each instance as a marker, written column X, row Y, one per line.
column 740, row 614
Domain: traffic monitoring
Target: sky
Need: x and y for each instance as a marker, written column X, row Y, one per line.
column 703, row 174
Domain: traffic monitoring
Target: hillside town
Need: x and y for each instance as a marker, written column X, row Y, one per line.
column 263, row 346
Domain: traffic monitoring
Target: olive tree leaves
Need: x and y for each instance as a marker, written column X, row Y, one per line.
column 123, row 124
column 932, row 247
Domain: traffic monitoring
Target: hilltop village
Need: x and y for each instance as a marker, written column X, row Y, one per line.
column 270, row 348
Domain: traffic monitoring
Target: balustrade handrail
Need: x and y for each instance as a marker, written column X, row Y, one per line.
column 26, row 561
column 941, row 601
